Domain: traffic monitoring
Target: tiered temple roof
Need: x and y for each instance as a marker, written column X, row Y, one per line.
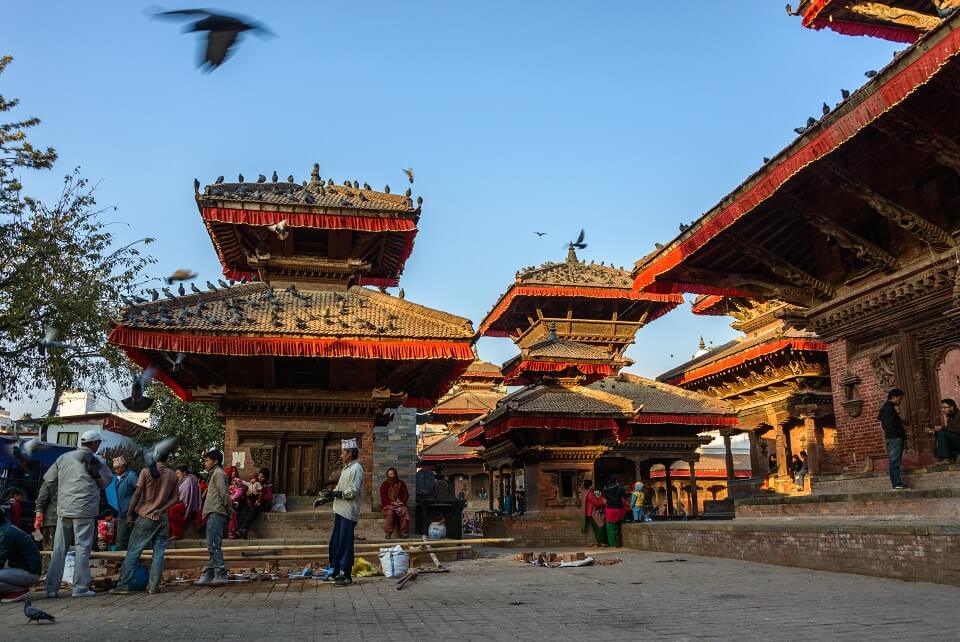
column 897, row 20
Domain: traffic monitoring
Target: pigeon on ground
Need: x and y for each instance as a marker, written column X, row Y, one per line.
column 223, row 30
column 35, row 615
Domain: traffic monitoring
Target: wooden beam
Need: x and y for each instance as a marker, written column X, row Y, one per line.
column 781, row 267
column 906, row 128
column 754, row 286
column 894, row 15
column 930, row 233
column 863, row 249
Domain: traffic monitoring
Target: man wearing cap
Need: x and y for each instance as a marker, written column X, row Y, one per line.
column 124, row 483
column 79, row 476
column 346, row 509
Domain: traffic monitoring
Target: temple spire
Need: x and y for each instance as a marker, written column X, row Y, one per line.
column 571, row 254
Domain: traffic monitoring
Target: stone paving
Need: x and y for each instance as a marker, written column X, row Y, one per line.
column 647, row 596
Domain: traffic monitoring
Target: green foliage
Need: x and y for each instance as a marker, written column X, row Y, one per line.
column 59, row 270
column 195, row 425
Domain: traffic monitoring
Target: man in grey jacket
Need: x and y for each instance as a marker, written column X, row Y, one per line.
column 216, row 511
column 79, row 476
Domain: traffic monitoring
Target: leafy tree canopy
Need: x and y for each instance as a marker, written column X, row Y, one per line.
column 195, row 425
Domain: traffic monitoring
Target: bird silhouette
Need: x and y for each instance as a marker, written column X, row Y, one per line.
column 684, row 227
column 167, row 293
column 35, row 615
column 659, row 246
column 261, row 178
column 154, row 295
column 409, row 172
column 870, row 74
column 222, row 283
column 579, row 244
column 540, row 233
column 811, row 121
column 280, row 229
column 290, row 178
column 274, row 177
column 223, row 31
column 181, row 275
column 196, row 186
column 240, row 178
column 825, row 108
column 219, row 180
column 181, row 290
column 765, row 160
column 211, row 286
column 799, row 130
column 844, row 93
column 50, row 341
column 195, row 289
column 137, row 401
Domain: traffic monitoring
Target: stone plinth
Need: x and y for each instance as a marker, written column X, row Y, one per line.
column 887, row 504
column 395, row 446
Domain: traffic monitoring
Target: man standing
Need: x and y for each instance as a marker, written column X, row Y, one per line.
column 147, row 515
column 894, row 435
column 216, row 511
column 79, row 476
column 45, row 519
column 346, row 508
column 124, row 482
column 948, row 436
column 17, row 548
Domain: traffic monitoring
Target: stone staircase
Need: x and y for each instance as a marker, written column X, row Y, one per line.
column 886, row 505
column 924, row 478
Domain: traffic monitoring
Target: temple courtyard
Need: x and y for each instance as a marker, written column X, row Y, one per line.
column 646, row 596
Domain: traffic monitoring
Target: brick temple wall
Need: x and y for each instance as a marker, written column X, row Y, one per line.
column 395, row 446
column 536, row 531
column 859, row 439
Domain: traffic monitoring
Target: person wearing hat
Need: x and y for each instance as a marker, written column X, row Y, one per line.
column 346, row 509
column 124, row 483
column 79, row 476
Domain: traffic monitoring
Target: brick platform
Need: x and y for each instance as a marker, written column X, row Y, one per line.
column 538, row 531
column 909, row 551
column 887, row 504
column 926, row 477
column 312, row 524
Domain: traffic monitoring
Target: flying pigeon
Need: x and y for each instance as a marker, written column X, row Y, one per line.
column 50, row 341
column 137, row 401
column 181, row 275
column 280, row 229
column 223, row 30
column 35, row 615
column 540, row 233
column 579, row 244
column 409, row 172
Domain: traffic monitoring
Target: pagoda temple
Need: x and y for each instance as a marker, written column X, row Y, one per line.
column 777, row 378
column 896, row 20
column 577, row 417
column 855, row 224
column 299, row 354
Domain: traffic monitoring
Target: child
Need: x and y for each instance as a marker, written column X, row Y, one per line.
column 107, row 531
column 236, row 490
column 254, row 487
column 14, row 496
column 636, row 502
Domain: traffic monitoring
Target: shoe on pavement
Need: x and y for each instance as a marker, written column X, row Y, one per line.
column 205, row 579
column 343, row 580
column 52, row 594
column 83, row 593
column 900, row 487
column 219, row 578
column 122, row 590
column 14, row 596
column 153, row 590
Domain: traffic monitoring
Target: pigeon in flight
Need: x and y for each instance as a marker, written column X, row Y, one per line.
column 223, row 31
column 35, row 615
column 137, row 401
column 280, row 229
column 540, row 233
column 181, row 275
column 579, row 244
column 409, row 172
column 50, row 341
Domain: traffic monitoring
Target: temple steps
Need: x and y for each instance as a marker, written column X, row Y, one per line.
column 913, row 504
column 312, row 523
column 923, row 478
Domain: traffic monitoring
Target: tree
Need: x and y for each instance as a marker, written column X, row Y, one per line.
column 59, row 272
column 195, row 425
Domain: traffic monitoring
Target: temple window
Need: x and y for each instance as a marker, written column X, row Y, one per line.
column 567, row 484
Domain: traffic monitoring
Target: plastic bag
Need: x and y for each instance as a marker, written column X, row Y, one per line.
column 363, row 568
column 279, row 504
column 69, row 563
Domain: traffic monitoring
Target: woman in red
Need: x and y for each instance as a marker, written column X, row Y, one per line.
column 393, row 502
column 591, row 507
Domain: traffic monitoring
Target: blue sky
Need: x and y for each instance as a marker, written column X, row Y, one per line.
column 625, row 118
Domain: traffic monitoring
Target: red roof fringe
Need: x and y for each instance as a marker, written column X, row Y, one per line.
column 450, row 457
column 303, row 219
column 594, row 371
column 422, row 403
column 292, row 347
column 753, row 353
column 700, row 473
column 568, row 291
column 144, row 362
column 886, row 97
column 240, row 275
column 850, row 28
column 706, row 306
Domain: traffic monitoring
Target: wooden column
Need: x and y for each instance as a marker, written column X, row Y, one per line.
column 728, row 455
column 669, row 483
column 757, row 464
column 809, row 418
column 490, row 488
column 782, row 462
column 694, row 509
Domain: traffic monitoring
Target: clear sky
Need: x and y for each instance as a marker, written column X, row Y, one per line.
column 625, row 118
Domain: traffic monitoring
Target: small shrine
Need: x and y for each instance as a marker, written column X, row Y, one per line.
column 294, row 351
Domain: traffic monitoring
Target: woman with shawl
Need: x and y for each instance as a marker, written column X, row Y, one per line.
column 591, row 507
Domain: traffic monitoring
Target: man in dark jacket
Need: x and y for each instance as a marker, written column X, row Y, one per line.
column 948, row 435
column 894, row 435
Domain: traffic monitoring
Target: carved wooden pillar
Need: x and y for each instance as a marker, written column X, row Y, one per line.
column 669, row 483
column 728, row 454
column 694, row 509
column 490, row 487
column 812, row 442
column 757, row 462
column 782, row 453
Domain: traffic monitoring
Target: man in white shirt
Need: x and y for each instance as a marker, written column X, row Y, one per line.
column 346, row 509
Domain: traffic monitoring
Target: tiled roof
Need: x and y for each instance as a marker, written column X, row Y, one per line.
column 565, row 349
column 468, row 402
column 485, row 369
column 566, row 400
column 576, row 273
column 313, row 194
column 660, row 398
column 254, row 308
column 447, row 447
column 735, row 347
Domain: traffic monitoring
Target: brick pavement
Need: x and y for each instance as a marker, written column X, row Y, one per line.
column 496, row 598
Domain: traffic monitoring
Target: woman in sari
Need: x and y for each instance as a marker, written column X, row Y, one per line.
column 591, row 507
column 188, row 489
column 616, row 507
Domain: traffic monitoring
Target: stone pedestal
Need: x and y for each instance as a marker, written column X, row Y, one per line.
column 395, row 446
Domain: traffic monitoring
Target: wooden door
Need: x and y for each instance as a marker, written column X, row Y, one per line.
column 300, row 477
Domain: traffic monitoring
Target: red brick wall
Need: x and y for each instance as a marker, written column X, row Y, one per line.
column 545, row 531
column 858, row 438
